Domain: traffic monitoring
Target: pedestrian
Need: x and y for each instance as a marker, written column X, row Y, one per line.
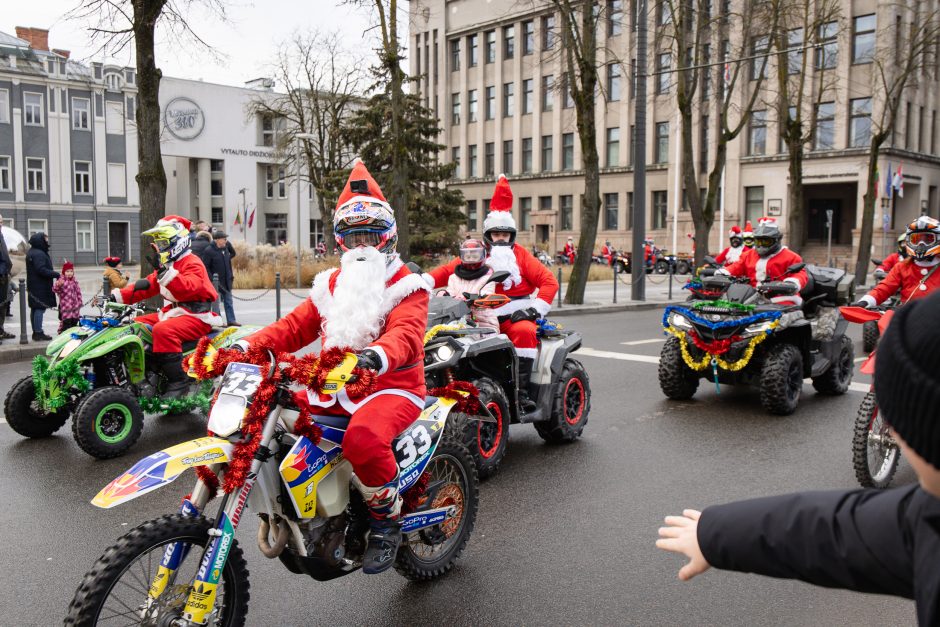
column 885, row 542
column 39, row 277
column 114, row 273
column 6, row 267
column 201, row 240
column 70, row 297
column 218, row 260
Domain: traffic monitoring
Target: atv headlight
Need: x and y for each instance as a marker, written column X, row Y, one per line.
column 444, row 353
column 757, row 328
column 680, row 322
column 69, row 347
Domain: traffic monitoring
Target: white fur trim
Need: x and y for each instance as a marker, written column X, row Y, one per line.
column 392, row 267
column 118, row 297
column 795, row 281
column 760, row 270
column 518, row 305
column 170, row 274
column 733, row 253
column 868, row 298
column 342, row 398
column 794, row 299
column 382, row 356
column 497, row 219
column 722, row 271
column 211, row 318
column 429, row 279
column 530, row 353
column 541, row 306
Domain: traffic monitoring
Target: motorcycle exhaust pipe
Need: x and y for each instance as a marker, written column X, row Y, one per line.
column 280, row 531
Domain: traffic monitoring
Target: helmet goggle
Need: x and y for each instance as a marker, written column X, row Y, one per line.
column 927, row 238
column 472, row 254
column 749, row 241
column 765, row 242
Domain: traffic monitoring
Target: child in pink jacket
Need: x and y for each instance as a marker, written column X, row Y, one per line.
column 70, row 297
column 472, row 277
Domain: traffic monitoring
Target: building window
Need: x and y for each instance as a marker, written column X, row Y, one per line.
column 863, row 38
column 454, row 109
column 567, row 151
column 631, row 148
column 454, row 55
column 760, row 46
column 316, row 233
column 859, row 122
column 81, row 112
column 275, row 228
column 473, row 54
column 613, row 147
column 548, row 32
column 660, row 209
column 613, row 82
column 568, row 101
column 471, row 215
column 472, row 160
column 489, row 158
column 525, row 210
column 548, row 92
column 216, row 165
column 490, row 102
column 827, row 51
column 35, row 175
column 663, row 14
column 610, row 211
column 795, row 56
column 471, row 106
column 545, row 203
column 703, row 144
column 490, row 54
column 84, row 236
column 526, row 155
column 629, row 210
column 82, row 177
column 281, row 182
column 662, row 142
column 753, row 204
column 507, row 156
column 707, row 72
column 757, row 133
column 114, row 117
column 528, row 96
column 117, row 180
column 509, row 100
column 546, row 153
column 215, row 187
column 5, row 174
column 269, row 182
column 825, row 126
column 455, row 159
column 663, row 79
column 567, row 212
column 509, row 42
column 528, row 37
column 36, row 226
column 32, row 109
column 614, row 17
column 272, row 128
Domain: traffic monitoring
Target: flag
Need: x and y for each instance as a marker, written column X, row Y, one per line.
column 898, row 181
column 238, row 218
column 888, row 179
column 727, row 73
column 251, row 218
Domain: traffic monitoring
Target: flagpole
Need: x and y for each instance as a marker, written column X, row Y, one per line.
column 721, row 209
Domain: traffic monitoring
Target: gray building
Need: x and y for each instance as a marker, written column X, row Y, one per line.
column 68, row 148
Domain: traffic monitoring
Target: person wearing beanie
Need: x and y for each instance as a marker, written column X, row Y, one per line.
column 733, row 252
column 875, row 541
column 113, row 273
column 69, row 292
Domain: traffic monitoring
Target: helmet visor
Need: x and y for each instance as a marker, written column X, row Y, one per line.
column 472, row 255
column 764, row 242
column 748, row 241
column 354, row 238
column 927, row 238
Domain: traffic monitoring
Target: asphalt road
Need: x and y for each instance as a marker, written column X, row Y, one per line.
column 564, row 534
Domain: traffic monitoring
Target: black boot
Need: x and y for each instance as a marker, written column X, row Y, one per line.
column 384, row 539
column 177, row 383
column 525, row 376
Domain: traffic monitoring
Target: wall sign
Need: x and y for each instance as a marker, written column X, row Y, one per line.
column 775, row 207
column 184, row 119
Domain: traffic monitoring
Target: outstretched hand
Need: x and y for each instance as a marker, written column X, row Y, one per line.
column 680, row 535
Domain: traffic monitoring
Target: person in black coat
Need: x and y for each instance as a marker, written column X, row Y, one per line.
column 39, row 277
column 218, row 260
column 201, row 240
column 6, row 267
column 885, row 542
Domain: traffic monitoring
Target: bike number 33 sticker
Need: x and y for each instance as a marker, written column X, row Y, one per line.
column 413, row 445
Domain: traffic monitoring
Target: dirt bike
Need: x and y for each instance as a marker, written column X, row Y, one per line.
column 100, row 374
column 875, row 454
column 559, row 385
column 188, row 569
column 739, row 336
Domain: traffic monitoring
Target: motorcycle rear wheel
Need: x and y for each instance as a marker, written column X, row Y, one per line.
column 24, row 416
column 874, row 456
column 133, row 562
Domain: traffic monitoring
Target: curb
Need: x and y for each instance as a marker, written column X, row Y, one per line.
column 574, row 310
column 22, row 352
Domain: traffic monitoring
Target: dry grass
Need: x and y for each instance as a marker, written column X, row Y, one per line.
column 255, row 266
column 596, row 272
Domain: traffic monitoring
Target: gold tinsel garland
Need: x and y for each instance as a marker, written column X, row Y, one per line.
column 733, row 366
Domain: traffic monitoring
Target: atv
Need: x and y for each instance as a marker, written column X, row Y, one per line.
column 739, row 336
column 100, row 374
column 456, row 350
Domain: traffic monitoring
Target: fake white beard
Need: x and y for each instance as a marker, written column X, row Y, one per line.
column 503, row 258
column 355, row 316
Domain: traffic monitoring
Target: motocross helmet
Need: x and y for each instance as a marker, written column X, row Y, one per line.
column 767, row 238
column 472, row 254
column 499, row 219
column 170, row 238
column 362, row 216
column 734, row 236
column 923, row 239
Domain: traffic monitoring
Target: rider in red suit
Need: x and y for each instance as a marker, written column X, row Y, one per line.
column 569, row 251
column 919, row 274
column 180, row 279
column 894, row 258
column 607, row 252
column 768, row 261
column 530, row 285
column 374, row 306
column 733, row 252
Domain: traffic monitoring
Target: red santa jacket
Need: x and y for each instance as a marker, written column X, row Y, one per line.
column 912, row 280
column 185, row 281
column 399, row 340
column 537, row 288
column 889, row 262
column 772, row 268
column 730, row 254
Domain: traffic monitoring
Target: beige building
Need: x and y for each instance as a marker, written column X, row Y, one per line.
column 490, row 69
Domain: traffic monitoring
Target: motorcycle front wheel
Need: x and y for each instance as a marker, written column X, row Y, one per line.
column 117, row 585
column 875, row 454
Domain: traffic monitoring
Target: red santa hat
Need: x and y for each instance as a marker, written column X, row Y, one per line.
column 186, row 223
column 767, row 222
column 734, row 231
column 748, row 229
column 500, row 216
column 361, row 187
column 68, row 265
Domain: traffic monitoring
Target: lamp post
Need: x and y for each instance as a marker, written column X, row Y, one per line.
column 300, row 136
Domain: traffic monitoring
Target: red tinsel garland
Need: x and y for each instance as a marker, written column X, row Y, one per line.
column 715, row 347
column 307, row 428
column 466, row 403
column 411, row 499
column 209, row 478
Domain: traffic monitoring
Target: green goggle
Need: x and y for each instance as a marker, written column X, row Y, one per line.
column 765, row 242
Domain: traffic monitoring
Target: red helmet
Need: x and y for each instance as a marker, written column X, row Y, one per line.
column 472, row 254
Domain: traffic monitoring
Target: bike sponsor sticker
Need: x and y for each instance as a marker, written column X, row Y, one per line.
column 303, row 468
column 202, row 596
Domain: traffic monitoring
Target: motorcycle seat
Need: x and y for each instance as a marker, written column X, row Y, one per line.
column 342, row 422
column 191, row 344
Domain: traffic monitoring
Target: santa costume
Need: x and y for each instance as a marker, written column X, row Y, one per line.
column 761, row 265
column 919, row 274
column 733, row 252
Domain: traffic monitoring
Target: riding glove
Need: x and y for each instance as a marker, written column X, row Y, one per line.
column 141, row 285
column 529, row 313
column 860, row 303
column 369, row 359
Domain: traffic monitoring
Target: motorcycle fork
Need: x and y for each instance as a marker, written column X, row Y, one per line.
column 202, row 595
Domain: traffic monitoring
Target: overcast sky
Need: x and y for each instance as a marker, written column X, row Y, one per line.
column 248, row 41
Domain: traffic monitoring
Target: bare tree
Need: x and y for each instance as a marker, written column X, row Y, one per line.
column 322, row 83
column 899, row 64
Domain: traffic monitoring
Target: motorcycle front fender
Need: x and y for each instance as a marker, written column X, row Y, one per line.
column 162, row 468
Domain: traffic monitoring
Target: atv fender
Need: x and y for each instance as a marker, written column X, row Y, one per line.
column 800, row 335
column 133, row 349
column 495, row 357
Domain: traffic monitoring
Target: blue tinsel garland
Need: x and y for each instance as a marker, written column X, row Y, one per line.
column 724, row 324
column 546, row 327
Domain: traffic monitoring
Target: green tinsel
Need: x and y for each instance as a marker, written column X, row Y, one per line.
column 723, row 304
column 160, row 405
column 53, row 383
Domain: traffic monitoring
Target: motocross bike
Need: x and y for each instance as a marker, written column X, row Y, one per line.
column 870, row 329
column 188, row 569
column 559, row 385
column 100, row 374
column 875, row 453
column 739, row 336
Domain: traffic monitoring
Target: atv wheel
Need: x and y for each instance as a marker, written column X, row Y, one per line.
column 875, row 454
column 661, row 267
column 676, row 380
column 570, row 407
column 683, row 267
column 781, row 379
column 107, row 422
column 24, row 415
column 132, row 562
column 870, row 335
column 487, row 441
column 837, row 378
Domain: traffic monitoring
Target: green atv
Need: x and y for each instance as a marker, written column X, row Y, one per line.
column 101, row 375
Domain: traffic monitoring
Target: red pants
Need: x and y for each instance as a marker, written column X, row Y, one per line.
column 522, row 335
column 368, row 440
column 169, row 334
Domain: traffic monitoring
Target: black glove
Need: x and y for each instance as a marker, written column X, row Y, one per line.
column 112, row 298
column 141, row 285
column 529, row 313
column 161, row 271
column 369, row 359
column 860, row 303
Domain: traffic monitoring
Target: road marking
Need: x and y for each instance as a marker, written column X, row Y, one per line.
column 638, row 342
column 861, row 359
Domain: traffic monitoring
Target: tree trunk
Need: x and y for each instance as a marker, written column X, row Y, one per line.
column 399, row 196
column 590, row 210
column 795, row 214
column 868, row 212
